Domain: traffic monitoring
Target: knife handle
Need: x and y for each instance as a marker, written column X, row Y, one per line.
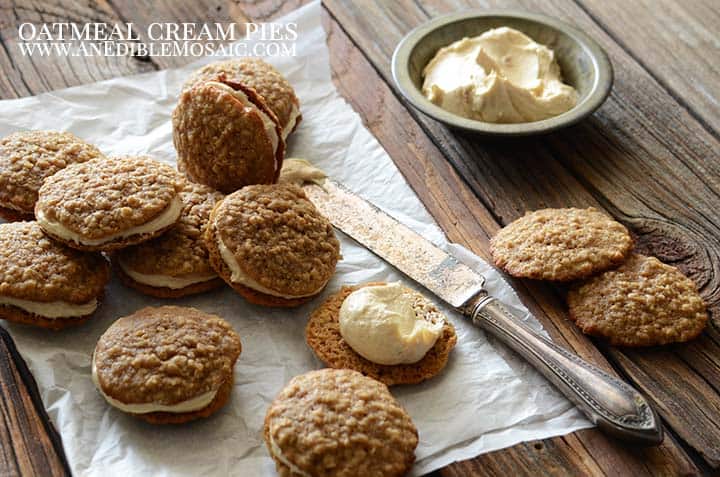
column 613, row 405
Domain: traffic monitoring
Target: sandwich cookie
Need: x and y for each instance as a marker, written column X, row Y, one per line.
column 383, row 330
column 176, row 263
column 259, row 75
column 337, row 422
column 43, row 282
column 226, row 137
column 109, row 204
column 561, row 244
column 166, row 365
column 27, row 158
column 644, row 302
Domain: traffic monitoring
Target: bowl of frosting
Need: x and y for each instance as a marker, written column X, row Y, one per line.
column 502, row 73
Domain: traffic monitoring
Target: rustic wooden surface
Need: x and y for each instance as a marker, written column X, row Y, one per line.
column 649, row 157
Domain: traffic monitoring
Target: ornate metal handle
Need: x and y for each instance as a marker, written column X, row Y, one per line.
column 613, row 405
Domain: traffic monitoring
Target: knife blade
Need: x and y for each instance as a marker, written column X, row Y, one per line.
column 612, row 404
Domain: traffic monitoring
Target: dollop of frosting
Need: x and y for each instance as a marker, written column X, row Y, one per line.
column 299, row 171
column 501, row 76
column 379, row 322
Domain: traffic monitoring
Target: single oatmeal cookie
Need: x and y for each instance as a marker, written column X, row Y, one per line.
column 644, row 302
column 561, row 244
column 339, row 423
column 166, row 365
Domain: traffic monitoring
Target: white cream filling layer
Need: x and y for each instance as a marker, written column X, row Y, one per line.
column 168, row 217
column 194, row 404
column 277, row 453
column 166, row 281
column 52, row 309
column 294, row 113
column 238, row 276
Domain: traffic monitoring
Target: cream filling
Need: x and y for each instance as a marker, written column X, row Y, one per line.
column 299, row 171
column 239, row 276
column 270, row 126
column 168, row 217
column 190, row 405
column 51, row 309
column 294, row 113
column 277, row 453
column 166, row 281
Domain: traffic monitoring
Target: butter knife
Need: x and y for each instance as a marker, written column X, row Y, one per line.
column 613, row 405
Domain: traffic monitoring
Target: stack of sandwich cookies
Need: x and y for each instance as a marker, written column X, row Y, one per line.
column 268, row 82
column 339, row 423
column 271, row 245
column 176, row 263
column 167, row 365
column 226, row 136
column 43, row 282
column 109, row 204
column 27, row 158
column 386, row 331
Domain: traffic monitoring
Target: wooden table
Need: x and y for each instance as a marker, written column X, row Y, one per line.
column 649, row 156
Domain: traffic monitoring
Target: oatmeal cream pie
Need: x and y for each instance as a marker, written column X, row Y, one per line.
column 259, row 75
column 43, row 282
column 226, row 137
column 109, row 204
column 644, row 302
column 27, row 158
column 561, row 244
column 176, row 263
column 271, row 245
column 383, row 330
column 337, row 422
column 166, row 365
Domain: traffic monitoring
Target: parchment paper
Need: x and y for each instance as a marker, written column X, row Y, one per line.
column 487, row 398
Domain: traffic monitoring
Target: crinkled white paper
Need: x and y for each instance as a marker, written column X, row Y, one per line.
column 487, row 398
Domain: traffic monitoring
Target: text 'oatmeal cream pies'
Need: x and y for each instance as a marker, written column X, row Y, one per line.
column 259, row 75
column 43, row 282
column 339, row 423
column 271, row 245
column 226, row 137
column 109, row 204
column 561, row 244
column 166, row 365
column 176, row 263
column 27, row 158
column 383, row 330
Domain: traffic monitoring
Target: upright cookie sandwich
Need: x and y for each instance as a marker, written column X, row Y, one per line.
column 27, row 158
column 108, row 204
column 43, row 282
column 176, row 263
column 271, row 245
column 166, row 365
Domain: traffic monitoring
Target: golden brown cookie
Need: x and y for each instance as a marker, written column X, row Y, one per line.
column 109, row 204
column 271, row 245
column 27, row 158
column 176, row 263
column 268, row 82
column 561, row 244
column 644, row 302
column 167, row 365
column 226, row 137
column 339, row 423
column 322, row 334
column 43, row 282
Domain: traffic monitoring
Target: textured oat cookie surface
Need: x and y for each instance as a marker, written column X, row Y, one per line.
column 278, row 238
column 257, row 74
column 322, row 334
column 222, row 143
column 165, row 355
column 27, row 158
column 643, row 302
column 560, row 244
column 35, row 267
column 99, row 198
column 339, row 423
